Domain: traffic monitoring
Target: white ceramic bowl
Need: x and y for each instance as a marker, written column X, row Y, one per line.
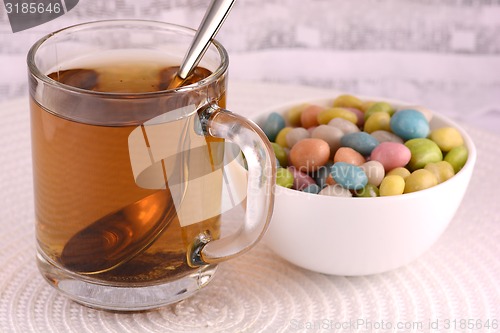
column 359, row 236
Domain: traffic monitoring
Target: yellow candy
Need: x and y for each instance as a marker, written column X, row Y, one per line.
column 348, row 101
column 400, row 171
column 281, row 137
column 325, row 116
column 378, row 121
column 293, row 115
column 379, row 107
column 392, row 185
column 366, row 105
column 420, row 179
column 446, row 138
column 442, row 170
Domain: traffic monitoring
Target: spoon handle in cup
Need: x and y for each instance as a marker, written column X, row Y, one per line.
column 210, row 25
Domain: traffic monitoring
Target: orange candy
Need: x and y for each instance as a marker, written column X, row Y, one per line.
column 348, row 155
column 309, row 116
column 309, row 154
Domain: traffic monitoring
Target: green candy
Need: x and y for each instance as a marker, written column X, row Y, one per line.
column 423, row 151
column 284, row 178
column 280, row 154
column 457, row 157
column 379, row 107
column 369, row 191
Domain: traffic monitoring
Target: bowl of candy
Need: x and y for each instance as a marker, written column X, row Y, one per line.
column 364, row 185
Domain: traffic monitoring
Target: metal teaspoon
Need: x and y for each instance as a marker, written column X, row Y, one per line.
column 209, row 27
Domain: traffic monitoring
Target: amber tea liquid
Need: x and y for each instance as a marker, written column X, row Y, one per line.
column 82, row 174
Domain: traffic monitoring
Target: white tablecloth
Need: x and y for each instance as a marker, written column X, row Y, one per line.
column 454, row 287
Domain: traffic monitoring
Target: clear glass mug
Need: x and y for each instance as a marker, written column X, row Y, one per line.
column 132, row 190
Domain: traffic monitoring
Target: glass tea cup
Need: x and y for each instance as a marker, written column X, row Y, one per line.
column 134, row 181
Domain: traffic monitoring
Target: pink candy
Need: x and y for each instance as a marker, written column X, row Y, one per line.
column 391, row 155
column 360, row 115
column 300, row 179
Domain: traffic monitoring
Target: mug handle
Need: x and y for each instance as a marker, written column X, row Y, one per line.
column 221, row 123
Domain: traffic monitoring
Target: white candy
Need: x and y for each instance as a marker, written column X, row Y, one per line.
column 385, row 136
column 335, row 191
column 344, row 125
column 295, row 135
column 330, row 134
column 375, row 172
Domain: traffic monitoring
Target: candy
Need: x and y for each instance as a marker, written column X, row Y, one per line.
column 423, row 151
column 446, row 138
column 423, row 110
column 280, row 154
column 367, row 105
column 409, row 124
column 348, row 101
column 344, row 125
column 403, row 172
column 309, row 116
column 295, row 135
column 392, row 185
column 330, row 180
column 441, row 170
column 300, row 179
column 375, row 172
column 330, row 135
column 284, row 177
column 348, row 155
column 391, row 155
column 379, row 107
column 335, row 191
column 274, row 123
column 363, row 148
column 309, row 154
column 321, row 175
column 360, row 115
column 312, row 188
column 369, row 191
column 457, row 157
column 293, row 115
column 281, row 137
column 311, row 129
column 420, row 179
column 362, row 142
column 349, row 176
column 326, row 115
column 383, row 136
column 379, row 121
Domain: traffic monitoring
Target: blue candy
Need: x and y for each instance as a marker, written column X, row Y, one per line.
column 322, row 174
column 361, row 142
column 312, row 188
column 273, row 125
column 409, row 124
column 349, row 176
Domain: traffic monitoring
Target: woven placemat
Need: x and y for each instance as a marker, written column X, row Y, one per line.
column 455, row 284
